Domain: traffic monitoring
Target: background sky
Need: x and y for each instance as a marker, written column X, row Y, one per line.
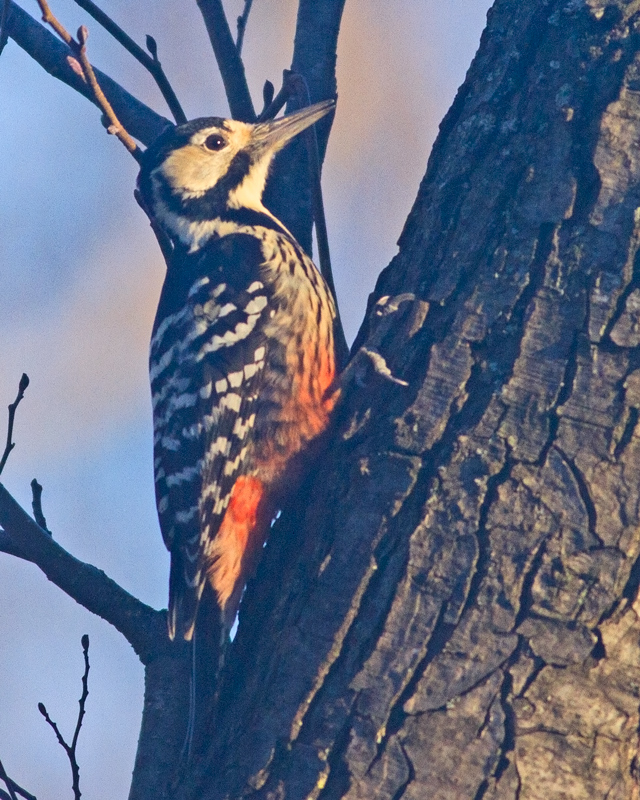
column 80, row 275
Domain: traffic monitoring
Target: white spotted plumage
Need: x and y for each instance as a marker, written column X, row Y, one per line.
column 242, row 359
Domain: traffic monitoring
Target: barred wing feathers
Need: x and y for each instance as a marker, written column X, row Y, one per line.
column 208, row 352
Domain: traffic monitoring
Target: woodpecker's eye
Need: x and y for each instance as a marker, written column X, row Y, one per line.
column 214, row 142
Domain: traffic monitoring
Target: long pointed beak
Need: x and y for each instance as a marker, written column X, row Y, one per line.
column 273, row 135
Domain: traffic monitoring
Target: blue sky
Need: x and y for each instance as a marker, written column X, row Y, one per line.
column 80, row 275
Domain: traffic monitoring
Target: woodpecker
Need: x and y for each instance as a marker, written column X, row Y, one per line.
column 242, row 358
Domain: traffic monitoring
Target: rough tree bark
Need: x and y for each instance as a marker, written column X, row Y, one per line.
column 453, row 615
column 449, row 611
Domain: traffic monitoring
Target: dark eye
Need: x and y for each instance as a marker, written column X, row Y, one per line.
column 214, row 142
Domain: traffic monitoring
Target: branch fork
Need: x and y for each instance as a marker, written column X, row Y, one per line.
column 79, row 59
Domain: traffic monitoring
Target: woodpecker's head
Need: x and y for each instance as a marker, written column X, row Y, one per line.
column 205, row 169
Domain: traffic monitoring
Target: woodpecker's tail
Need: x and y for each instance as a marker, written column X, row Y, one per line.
column 209, row 642
column 183, row 601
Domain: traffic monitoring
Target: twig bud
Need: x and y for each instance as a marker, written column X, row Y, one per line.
column 85, row 642
column 75, row 66
column 24, row 382
column 152, row 47
column 42, row 709
column 83, row 35
column 268, row 91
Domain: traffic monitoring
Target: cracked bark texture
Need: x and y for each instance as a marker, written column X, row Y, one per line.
column 452, row 613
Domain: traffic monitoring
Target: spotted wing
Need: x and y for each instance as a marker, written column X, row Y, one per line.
column 207, row 359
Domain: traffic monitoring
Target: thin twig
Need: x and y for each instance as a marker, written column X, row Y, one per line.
column 4, row 34
column 46, row 49
column 85, row 691
column 115, row 127
column 149, row 62
column 24, row 382
column 36, row 505
column 70, row 749
column 242, row 24
column 79, row 51
column 322, row 237
column 228, row 60
column 13, row 787
column 7, row 782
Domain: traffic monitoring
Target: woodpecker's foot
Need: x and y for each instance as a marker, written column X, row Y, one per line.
column 356, row 369
column 369, row 354
column 380, row 365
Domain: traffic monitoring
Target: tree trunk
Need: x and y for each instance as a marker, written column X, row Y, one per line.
column 449, row 611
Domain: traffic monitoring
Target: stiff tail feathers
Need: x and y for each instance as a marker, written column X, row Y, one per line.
column 183, row 601
column 208, row 643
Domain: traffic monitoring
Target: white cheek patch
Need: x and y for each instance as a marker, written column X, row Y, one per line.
column 192, row 170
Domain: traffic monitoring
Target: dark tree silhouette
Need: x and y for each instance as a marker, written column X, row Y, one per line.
column 449, row 609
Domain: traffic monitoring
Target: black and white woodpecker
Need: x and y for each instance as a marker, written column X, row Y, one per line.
column 242, row 364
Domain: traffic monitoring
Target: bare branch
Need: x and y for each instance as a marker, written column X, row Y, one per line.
column 13, row 787
column 24, row 382
column 7, row 782
column 314, row 54
column 79, row 51
column 149, row 62
column 242, row 24
column 142, row 626
column 228, row 59
column 36, row 505
column 140, row 120
column 288, row 192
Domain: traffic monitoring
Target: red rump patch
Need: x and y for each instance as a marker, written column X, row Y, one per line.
column 239, row 542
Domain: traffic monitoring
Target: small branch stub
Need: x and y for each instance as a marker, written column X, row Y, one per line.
column 22, row 386
column 36, row 505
